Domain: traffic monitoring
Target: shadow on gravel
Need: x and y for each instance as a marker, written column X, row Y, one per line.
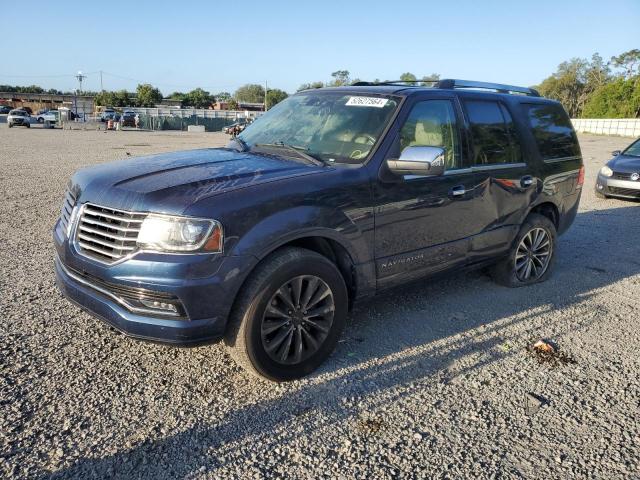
column 414, row 338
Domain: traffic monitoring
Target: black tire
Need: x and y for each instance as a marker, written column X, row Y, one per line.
column 27, row 125
column 10, row 125
column 505, row 272
column 245, row 334
column 40, row 120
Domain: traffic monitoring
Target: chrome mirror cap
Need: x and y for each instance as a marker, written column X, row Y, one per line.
column 419, row 160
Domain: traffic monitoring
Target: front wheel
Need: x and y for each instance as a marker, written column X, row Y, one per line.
column 10, row 125
column 288, row 316
column 41, row 120
column 532, row 255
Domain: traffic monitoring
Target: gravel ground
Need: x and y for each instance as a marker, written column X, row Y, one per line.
column 429, row 381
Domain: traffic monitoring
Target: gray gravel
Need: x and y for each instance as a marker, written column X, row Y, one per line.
column 432, row 380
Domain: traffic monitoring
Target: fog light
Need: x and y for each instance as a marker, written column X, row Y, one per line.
column 600, row 187
column 156, row 305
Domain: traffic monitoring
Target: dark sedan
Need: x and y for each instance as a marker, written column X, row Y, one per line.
column 620, row 177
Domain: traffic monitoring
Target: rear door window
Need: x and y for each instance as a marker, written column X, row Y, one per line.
column 552, row 131
column 494, row 137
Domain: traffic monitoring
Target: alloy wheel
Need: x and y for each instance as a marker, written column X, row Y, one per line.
column 533, row 255
column 297, row 319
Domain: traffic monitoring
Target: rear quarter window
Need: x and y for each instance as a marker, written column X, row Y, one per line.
column 552, row 131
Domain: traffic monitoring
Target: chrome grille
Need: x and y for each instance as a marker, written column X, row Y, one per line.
column 107, row 234
column 67, row 207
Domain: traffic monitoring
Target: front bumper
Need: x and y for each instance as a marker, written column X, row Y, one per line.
column 613, row 187
column 204, row 285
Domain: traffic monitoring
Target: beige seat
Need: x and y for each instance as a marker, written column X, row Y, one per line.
column 428, row 134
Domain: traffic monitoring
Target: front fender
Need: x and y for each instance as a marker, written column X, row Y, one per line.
column 299, row 222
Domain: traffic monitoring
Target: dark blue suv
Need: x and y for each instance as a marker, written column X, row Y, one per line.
column 332, row 196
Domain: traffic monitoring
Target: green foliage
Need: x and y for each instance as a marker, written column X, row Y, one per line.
column 340, row 78
column 629, row 62
column 223, row 96
column 250, row 93
column 309, row 86
column 408, row 77
column 574, row 82
column 274, row 96
column 198, row 98
column 148, row 95
column 121, row 98
column 617, row 99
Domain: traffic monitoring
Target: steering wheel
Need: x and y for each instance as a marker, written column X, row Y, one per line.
column 364, row 138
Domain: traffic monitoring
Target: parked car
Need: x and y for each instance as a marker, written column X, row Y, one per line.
column 50, row 115
column 4, row 109
column 336, row 194
column 109, row 114
column 235, row 128
column 128, row 118
column 18, row 117
column 620, row 177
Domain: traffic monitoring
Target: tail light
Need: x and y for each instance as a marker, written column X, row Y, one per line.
column 581, row 177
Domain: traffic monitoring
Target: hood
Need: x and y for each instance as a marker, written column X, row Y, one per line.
column 625, row 164
column 171, row 182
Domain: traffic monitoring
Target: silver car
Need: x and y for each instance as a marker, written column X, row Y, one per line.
column 620, row 177
column 19, row 117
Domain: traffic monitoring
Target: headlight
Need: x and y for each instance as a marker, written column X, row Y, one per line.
column 606, row 171
column 180, row 234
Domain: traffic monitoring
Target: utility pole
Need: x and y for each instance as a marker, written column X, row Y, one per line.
column 265, row 95
column 80, row 78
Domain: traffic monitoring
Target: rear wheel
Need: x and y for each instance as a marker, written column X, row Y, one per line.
column 10, row 125
column 532, row 255
column 27, row 125
column 288, row 316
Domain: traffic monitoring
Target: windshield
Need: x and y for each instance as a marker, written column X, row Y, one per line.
column 18, row 113
column 331, row 126
column 633, row 150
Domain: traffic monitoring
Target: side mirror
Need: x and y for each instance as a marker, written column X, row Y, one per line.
column 422, row 161
column 615, row 153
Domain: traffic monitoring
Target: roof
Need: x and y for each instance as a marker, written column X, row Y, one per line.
column 407, row 88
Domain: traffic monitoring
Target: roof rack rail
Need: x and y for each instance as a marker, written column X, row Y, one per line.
column 450, row 83
column 498, row 87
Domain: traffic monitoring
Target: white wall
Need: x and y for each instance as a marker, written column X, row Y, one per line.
column 628, row 127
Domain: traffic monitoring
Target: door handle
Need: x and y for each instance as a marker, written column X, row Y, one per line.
column 458, row 191
column 526, row 181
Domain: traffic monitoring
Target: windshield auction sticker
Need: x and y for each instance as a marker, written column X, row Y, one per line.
column 367, row 102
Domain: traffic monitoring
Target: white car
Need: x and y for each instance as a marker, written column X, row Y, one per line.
column 49, row 115
column 19, row 117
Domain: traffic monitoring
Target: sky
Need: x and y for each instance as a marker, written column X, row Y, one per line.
column 219, row 46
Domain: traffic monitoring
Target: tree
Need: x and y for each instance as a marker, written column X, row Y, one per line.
column 198, row 98
column 113, row 99
column 232, row 104
column 408, row 77
column 629, row 62
column 309, row 86
column 178, row 96
column 340, row 77
column 429, row 79
column 617, row 99
column 250, row 93
column 148, row 95
column 222, row 96
column 274, row 96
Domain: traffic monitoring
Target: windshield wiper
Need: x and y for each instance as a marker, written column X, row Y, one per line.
column 243, row 145
column 299, row 150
